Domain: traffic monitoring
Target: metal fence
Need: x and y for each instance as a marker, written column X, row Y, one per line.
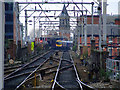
column 113, row 68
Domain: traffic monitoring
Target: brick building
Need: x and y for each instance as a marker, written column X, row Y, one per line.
column 113, row 35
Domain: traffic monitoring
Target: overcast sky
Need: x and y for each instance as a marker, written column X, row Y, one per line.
column 112, row 7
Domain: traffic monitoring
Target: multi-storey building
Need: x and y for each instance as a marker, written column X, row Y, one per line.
column 9, row 20
column 113, row 34
column 13, row 31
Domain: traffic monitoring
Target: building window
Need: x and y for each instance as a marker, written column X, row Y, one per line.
column 8, row 28
column 110, row 39
column 117, row 51
column 8, row 6
column 118, row 39
column 63, row 22
column 110, row 52
column 9, row 17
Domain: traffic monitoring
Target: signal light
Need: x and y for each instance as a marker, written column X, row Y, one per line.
column 41, row 41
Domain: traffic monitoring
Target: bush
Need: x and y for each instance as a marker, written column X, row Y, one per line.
column 74, row 48
column 104, row 74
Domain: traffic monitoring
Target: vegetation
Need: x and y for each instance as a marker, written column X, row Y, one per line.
column 74, row 48
column 104, row 74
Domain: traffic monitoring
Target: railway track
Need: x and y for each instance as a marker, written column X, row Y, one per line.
column 66, row 76
column 18, row 77
column 36, row 82
column 9, row 69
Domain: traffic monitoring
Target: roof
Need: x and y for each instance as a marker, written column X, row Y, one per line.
column 64, row 11
column 110, row 28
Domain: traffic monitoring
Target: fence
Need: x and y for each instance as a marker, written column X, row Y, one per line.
column 113, row 68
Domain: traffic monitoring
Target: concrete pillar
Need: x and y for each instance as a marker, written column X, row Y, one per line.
column 2, row 25
column 104, row 21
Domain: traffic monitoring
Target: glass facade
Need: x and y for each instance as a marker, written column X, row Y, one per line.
column 8, row 20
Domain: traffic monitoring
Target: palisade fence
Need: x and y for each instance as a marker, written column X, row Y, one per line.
column 113, row 69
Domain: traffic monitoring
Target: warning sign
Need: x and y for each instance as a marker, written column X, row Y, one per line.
column 32, row 46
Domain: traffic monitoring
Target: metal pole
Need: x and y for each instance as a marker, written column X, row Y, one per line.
column 104, row 20
column 92, row 19
column 34, row 26
column 78, row 33
column 78, row 30
column 111, row 43
column 2, row 25
column 85, row 29
column 99, row 8
column 82, row 25
column 25, row 25
column 54, row 3
column 82, row 29
column 39, row 31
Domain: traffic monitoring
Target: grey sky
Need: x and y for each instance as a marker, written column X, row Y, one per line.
column 112, row 7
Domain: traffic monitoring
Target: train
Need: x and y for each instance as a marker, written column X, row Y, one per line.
column 62, row 44
column 57, row 43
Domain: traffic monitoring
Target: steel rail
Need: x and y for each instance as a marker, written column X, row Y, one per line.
column 62, row 69
column 57, row 73
column 67, row 60
column 66, row 67
column 31, row 74
column 25, row 65
column 78, row 80
column 76, row 73
column 24, row 77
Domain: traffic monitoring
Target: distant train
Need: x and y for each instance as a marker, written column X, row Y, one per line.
column 62, row 44
column 56, row 43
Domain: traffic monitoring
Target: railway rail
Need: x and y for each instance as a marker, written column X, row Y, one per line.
column 9, row 69
column 66, row 77
column 15, row 79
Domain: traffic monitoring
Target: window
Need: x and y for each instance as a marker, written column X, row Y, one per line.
column 118, row 51
column 110, row 39
column 110, row 51
column 8, row 28
column 11, row 6
column 9, row 17
column 8, row 6
column 118, row 39
column 63, row 22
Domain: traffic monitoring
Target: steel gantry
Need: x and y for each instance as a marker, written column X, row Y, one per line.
column 84, row 32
